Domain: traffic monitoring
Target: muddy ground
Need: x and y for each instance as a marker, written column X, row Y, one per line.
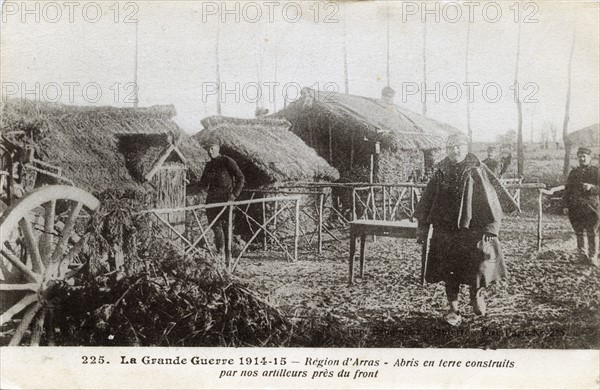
column 549, row 300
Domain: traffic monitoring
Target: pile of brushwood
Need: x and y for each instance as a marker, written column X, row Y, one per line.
column 161, row 298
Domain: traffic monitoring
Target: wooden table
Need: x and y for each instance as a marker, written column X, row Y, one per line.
column 363, row 228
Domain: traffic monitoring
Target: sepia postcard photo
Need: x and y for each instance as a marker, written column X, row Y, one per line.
column 299, row 194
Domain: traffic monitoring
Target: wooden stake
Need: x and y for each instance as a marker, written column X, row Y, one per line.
column 229, row 238
column 264, row 218
column 354, row 204
column 539, row 227
column 297, row 229
column 320, row 234
column 384, row 204
column 330, row 145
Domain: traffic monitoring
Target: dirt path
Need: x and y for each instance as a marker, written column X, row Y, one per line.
column 548, row 300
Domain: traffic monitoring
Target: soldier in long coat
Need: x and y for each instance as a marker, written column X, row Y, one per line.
column 463, row 203
column 581, row 198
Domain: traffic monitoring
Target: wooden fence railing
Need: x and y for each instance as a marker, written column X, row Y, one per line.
column 192, row 237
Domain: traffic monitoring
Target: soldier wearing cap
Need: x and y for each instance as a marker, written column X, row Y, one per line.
column 582, row 199
column 491, row 162
column 463, row 203
column 225, row 181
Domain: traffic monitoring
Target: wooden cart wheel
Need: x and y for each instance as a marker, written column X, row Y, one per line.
column 39, row 246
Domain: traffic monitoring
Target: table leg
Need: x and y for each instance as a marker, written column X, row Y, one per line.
column 351, row 259
column 363, row 240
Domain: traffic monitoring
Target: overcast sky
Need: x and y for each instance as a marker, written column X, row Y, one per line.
column 177, row 62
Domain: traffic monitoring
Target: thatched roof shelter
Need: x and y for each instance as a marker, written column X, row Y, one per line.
column 265, row 149
column 344, row 128
column 588, row 136
column 99, row 148
column 373, row 118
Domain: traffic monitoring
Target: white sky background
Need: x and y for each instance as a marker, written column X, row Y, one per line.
column 177, row 55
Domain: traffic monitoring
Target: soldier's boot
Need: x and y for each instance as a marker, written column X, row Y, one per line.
column 478, row 300
column 581, row 249
column 593, row 247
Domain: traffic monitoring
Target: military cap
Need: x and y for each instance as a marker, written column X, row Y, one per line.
column 583, row 150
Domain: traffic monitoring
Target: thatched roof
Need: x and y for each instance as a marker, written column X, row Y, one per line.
column 265, row 149
column 390, row 124
column 588, row 136
column 85, row 141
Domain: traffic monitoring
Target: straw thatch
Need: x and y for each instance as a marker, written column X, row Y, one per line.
column 389, row 124
column 344, row 129
column 265, row 149
column 87, row 143
column 588, row 136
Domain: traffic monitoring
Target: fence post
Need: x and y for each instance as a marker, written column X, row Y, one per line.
column 275, row 213
column 539, row 227
column 264, row 219
column 412, row 200
column 229, row 238
column 320, row 236
column 297, row 229
column 384, row 204
column 353, row 204
column 374, row 203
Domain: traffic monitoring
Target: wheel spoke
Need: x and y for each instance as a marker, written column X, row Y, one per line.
column 48, row 234
column 19, row 287
column 66, row 232
column 38, row 329
column 30, row 243
column 17, row 308
column 19, row 264
column 63, row 266
column 22, row 328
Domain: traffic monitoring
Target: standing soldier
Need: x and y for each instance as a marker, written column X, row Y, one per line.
column 463, row 203
column 225, row 181
column 582, row 200
column 491, row 162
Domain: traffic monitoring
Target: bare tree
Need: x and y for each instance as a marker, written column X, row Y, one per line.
column 218, row 70
column 566, row 140
column 520, row 151
column 469, row 130
column 424, row 66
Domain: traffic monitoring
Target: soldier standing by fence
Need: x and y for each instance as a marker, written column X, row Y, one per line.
column 225, row 181
column 582, row 199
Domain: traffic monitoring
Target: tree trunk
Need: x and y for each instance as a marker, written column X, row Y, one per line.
column 567, row 160
column 469, row 130
column 520, row 151
column 424, row 96
column 218, row 73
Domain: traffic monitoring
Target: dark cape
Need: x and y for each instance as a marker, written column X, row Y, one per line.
column 461, row 202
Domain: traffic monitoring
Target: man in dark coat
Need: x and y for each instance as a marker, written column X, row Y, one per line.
column 582, row 199
column 491, row 162
column 225, row 181
column 463, row 203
